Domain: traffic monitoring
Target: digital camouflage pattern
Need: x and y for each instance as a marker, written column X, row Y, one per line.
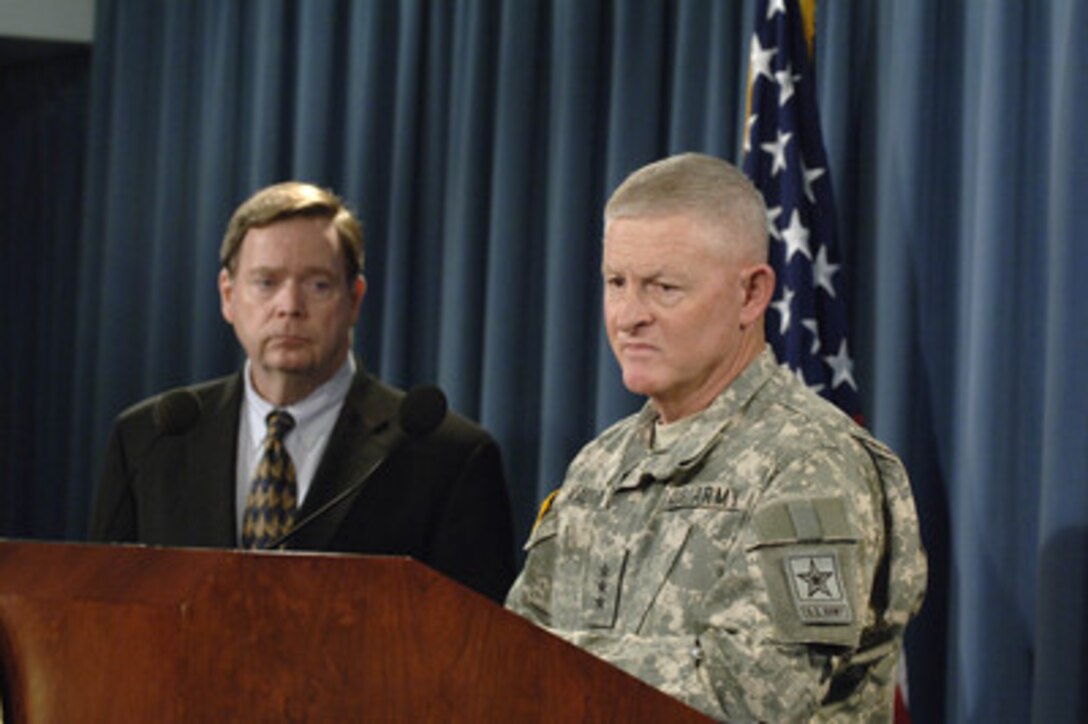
column 763, row 567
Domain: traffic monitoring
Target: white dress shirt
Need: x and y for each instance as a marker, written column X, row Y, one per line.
column 315, row 416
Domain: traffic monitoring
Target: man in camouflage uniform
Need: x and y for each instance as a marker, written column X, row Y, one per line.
column 740, row 543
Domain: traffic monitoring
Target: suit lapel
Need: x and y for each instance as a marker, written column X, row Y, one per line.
column 359, row 440
column 212, row 458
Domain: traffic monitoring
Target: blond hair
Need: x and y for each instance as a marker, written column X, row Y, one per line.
column 288, row 200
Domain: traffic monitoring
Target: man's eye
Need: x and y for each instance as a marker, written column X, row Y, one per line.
column 665, row 291
column 615, row 282
column 320, row 288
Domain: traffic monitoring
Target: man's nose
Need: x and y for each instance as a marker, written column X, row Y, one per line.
column 631, row 310
column 290, row 299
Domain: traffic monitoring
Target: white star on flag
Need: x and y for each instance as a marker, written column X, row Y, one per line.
column 777, row 149
column 796, row 237
column 760, row 60
column 772, row 221
column 842, row 367
column 785, row 79
column 782, row 306
column 813, row 326
column 822, row 270
column 810, row 175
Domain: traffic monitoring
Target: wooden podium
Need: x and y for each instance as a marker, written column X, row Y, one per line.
column 94, row 633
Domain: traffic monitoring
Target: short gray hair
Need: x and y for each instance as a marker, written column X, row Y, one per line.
column 694, row 183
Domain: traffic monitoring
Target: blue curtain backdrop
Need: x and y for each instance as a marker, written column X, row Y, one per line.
column 43, row 132
column 478, row 141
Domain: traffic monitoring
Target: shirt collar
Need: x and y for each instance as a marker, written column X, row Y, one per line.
column 327, row 396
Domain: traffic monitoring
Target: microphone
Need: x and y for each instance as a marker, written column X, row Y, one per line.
column 421, row 412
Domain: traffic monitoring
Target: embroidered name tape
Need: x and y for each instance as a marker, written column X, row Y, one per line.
column 721, row 497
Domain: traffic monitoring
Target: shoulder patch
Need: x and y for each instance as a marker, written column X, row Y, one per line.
column 544, row 508
column 815, row 583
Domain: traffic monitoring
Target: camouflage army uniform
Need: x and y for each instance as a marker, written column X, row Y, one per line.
column 761, row 568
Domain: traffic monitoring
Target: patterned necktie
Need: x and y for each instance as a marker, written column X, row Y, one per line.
column 270, row 507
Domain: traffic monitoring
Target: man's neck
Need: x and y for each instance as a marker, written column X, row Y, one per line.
column 701, row 399
column 282, row 389
column 284, row 392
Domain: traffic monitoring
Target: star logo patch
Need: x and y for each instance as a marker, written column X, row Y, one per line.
column 815, row 582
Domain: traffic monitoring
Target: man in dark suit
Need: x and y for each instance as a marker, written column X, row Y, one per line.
column 212, row 467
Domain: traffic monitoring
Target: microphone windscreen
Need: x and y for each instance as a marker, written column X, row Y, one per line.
column 176, row 411
column 422, row 410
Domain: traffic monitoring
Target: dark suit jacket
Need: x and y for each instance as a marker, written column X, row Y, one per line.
column 440, row 499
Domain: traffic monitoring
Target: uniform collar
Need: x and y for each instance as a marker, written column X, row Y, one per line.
column 705, row 429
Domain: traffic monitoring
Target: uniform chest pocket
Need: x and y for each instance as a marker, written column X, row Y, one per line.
column 602, row 585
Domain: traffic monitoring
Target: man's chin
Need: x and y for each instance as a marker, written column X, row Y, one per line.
column 288, row 363
column 639, row 383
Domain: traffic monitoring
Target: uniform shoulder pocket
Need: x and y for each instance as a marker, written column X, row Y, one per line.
column 807, row 554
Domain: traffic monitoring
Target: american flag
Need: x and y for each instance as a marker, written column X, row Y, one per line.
column 784, row 156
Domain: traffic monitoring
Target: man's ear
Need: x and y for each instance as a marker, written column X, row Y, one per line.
column 758, row 283
column 358, row 291
column 226, row 293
